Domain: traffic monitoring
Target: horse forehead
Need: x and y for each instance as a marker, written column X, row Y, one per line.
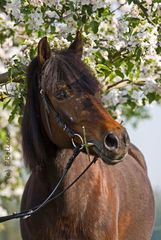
column 59, row 72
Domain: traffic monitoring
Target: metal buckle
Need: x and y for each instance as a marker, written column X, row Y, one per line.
column 81, row 139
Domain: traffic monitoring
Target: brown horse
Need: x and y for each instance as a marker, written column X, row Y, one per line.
column 111, row 201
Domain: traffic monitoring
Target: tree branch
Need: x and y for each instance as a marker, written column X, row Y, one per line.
column 119, row 84
column 124, row 83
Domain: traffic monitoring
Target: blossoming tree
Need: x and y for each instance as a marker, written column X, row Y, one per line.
column 122, row 45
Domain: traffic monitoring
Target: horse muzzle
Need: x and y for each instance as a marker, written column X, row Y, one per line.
column 113, row 148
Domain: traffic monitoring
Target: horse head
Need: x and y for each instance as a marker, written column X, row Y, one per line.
column 74, row 93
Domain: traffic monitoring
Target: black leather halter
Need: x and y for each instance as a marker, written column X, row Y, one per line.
column 48, row 107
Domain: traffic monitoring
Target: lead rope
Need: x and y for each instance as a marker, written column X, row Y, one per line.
column 28, row 213
column 71, row 184
column 67, row 167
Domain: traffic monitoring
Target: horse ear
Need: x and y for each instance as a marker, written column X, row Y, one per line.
column 77, row 46
column 44, row 51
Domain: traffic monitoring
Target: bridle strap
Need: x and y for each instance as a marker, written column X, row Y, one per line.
column 49, row 108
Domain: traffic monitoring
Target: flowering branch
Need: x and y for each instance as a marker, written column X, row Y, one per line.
column 144, row 10
column 119, row 84
column 4, row 78
column 123, row 83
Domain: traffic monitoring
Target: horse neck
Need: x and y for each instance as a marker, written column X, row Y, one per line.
column 84, row 189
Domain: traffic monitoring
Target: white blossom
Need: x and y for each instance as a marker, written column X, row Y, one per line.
column 60, row 27
column 126, row 8
column 112, row 98
column 13, row 7
column 36, row 20
column 119, row 114
column 36, row 2
column 19, row 191
column 6, row 192
column 99, row 4
column 137, row 96
column 51, row 14
column 55, row 3
column 84, row 2
column 150, row 86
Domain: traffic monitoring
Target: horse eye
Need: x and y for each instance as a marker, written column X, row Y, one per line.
column 61, row 95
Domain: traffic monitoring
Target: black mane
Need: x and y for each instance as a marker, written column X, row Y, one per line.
column 37, row 147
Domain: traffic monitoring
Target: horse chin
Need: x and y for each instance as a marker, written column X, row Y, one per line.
column 106, row 158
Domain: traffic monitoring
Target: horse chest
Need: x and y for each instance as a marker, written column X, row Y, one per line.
column 96, row 208
column 85, row 220
column 66, row 228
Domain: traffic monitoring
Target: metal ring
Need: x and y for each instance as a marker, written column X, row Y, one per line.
column 81, row 139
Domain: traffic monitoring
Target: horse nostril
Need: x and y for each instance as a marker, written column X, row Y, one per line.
column 111, row 142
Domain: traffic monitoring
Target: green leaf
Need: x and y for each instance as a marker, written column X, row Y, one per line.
column 52, row 28
column 129, row 1
column 71, row 6
column 6, row 103
column 153, row 97
column 84, row 18
column 13, row 113
column 119, row 73
column 69, row 37
column 102, row 67
column 100, row 11
column 75, row 17
column 130, row 66
column 2, row 3
column 137, row 73
column 112, row 76
column 138, row 53
column 99, row 56
column 89, row 9
column 94, row 26
column 133, row 21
